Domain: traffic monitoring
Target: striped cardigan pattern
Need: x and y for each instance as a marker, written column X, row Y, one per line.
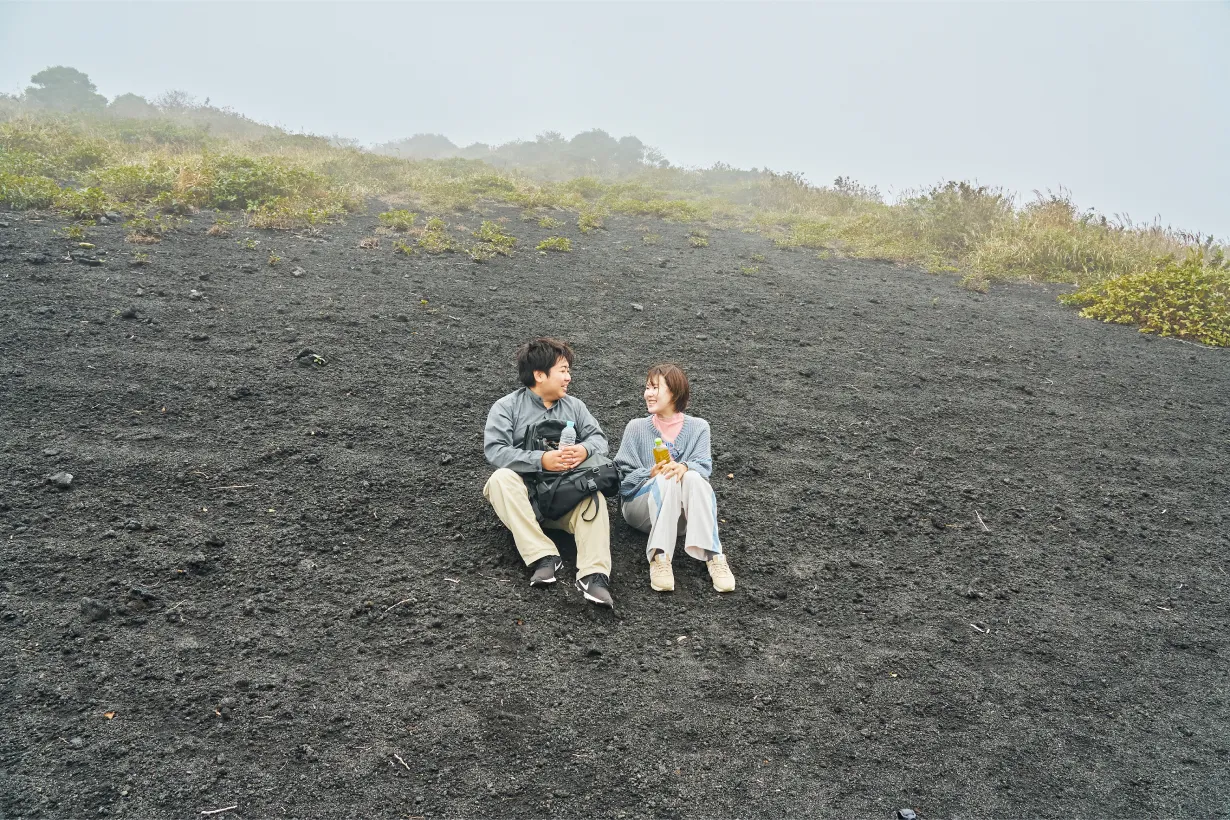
column 635, row 456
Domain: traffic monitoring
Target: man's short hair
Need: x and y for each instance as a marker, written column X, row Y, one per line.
column 676, row 382
column 540, row 354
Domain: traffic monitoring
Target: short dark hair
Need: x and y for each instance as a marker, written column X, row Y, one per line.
column 540, row 354
column 676, row 381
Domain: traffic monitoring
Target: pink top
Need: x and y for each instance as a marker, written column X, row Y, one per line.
column 669, row 429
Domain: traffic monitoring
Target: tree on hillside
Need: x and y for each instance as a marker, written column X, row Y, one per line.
column 176, row 100
column 61, row 88
column 420, row 146
column 593, row 151
column 477, row 150
column 131, row 106
column 629, row 155
column 655, row 158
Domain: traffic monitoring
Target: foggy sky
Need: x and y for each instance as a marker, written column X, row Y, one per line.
column 1127, row 105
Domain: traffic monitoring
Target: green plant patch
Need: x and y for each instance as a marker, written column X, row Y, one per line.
column 559, row 244
column 144, row 227
column 1188, row 300
column 481, row 252
column 492, row 234
column 400, row 220
column 435, row 238
column 591, row 219
column 135, row 183
column 291, row 213
column 22, row 193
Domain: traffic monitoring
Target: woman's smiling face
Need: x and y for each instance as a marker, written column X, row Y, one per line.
column 658, row 398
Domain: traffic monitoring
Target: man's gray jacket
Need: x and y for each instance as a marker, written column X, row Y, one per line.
column 513, row 415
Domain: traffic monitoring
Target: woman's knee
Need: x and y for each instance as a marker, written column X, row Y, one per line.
column 693, row 479
column 667, row 485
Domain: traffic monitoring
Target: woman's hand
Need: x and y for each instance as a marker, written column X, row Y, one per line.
column 669, row 470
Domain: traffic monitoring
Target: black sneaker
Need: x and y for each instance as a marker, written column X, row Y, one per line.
column 544, row 570
column 596, row 588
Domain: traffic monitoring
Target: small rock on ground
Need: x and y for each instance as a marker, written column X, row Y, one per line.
column 94, row 610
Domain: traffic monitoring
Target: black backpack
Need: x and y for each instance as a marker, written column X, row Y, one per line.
column 554, row 495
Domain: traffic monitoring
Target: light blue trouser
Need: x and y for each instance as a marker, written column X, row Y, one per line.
column 658, row 505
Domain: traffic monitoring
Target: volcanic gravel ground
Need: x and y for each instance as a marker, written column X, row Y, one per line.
column 273, row 582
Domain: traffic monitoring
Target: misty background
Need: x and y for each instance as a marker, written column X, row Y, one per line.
column 1123, row 104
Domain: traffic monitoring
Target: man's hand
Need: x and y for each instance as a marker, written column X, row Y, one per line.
column 669, row 470
column 573, row 455
column 557, row 461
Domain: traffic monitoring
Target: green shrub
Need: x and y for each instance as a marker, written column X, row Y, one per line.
column 561, row 244
column 292, row 213
column 1051, row 240
column 544, row 197
column 24, row 163
column 1187, row 300
column 59, row 147
column 490, row 233
column 135, row 183
column 584, row 187
column 675, row 209
column 550, row 223
column 947, row 220
column 87, row 203
column 400, row 220
column 481, row 252
column 402, row 247
column 144, row 228
column 807, row 234
column 228, row 181
column 591, row 219
column 698, row 239
column 435, row 238
column 21, row 193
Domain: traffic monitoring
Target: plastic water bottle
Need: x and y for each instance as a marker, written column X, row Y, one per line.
column 660, row 453
column 568, row 436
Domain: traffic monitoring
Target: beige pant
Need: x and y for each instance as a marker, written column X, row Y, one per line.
column 660, row 504
column 511, row 500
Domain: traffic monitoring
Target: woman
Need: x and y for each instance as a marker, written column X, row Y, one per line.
column 656, row 495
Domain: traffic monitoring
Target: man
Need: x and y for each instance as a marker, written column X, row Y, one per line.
column 544, row 366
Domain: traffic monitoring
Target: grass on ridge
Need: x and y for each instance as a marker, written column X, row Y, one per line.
column 158, row 170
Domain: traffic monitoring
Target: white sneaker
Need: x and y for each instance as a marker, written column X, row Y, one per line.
column 661, row 576
column 719, row 571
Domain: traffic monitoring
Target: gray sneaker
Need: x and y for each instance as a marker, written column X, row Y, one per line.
column 544, row 570
column 596, row 588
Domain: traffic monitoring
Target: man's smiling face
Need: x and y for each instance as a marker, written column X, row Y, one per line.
column 553, row 385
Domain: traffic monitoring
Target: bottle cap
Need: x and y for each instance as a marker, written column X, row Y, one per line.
column 657, row 441
column 570, row 424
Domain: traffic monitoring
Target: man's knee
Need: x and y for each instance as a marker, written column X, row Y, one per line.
column 505, row 479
